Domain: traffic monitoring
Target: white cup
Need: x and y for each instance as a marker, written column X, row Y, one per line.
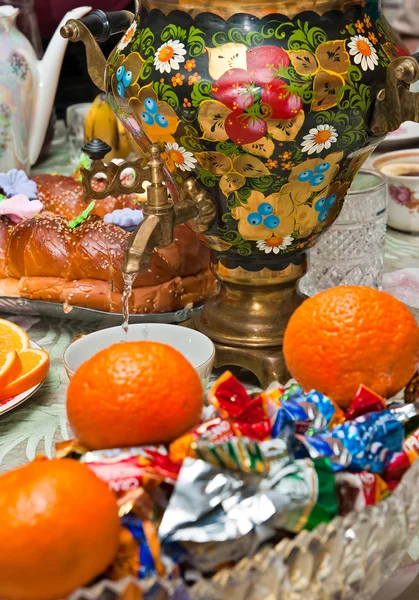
column 196, row 347
column 402, row 171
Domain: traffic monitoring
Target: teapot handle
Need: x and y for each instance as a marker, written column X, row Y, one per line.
column 138, row 7
column 395, row 103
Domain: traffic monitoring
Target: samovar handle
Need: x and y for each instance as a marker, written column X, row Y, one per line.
column 97, row 26
column 395, row 103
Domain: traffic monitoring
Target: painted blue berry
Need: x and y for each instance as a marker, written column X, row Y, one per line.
column 120, row 73
column 151, row 106
column 271, row 222
column 320, row 204
column 161, row 121
column 126, row 80
column 323, row 167
column 265, row 209
column 147, row 118
column 254, row 219
column 317, row 179
column 331, row 200
column 305, row 176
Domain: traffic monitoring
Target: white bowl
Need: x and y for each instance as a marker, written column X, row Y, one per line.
column 195, row 347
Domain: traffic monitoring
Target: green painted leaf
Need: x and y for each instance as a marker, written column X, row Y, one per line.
column 201, row 91
column 195, row 41
column 166, row 93
column 173, row 32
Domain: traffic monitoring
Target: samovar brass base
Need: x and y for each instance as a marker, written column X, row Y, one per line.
column 266, row 363
column 246, row 320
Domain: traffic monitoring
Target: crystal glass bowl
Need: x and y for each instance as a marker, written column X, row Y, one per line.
column 350, row 558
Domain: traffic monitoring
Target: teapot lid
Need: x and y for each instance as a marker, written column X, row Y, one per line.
column 8, row 11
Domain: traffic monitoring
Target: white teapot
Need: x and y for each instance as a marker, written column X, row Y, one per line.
column 27, row 90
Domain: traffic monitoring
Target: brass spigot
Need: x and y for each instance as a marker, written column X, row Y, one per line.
column 161, row 214
column 395, row 103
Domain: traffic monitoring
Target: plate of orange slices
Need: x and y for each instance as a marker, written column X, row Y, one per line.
column 24, row 366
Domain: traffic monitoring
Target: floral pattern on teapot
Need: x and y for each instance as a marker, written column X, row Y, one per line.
column 271, row 114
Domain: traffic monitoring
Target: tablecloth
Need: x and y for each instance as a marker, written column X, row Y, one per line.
column 38, row 424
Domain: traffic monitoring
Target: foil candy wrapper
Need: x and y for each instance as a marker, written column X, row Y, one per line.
column 358, row 490
column 365, row 401
column 241, row 454
column 216, row 517
column 407, row 415
column 126, row 469
column 303, row 415
column 371, row 439
column 315, row 447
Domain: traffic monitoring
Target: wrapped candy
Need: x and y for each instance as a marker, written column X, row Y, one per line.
column 302, row 414
column 358, row 490
column 407, row 415
column 242, row 454
column 318, row 447
column 399, row 463
column 249, row 416
column 371, row 440
column 216, row 516
column 129, row 468
column 217, row 430
column 365, row 401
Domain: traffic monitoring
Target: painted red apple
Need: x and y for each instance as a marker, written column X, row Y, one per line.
column 282, row 104
column 264, row 62
column 243, row 128
column 235, row 89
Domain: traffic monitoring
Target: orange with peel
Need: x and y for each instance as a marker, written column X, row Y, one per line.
column 59, row 529
column 134, row 393
column 9, row 366
column 31, row 370
column 12, row 337
column 350, row 335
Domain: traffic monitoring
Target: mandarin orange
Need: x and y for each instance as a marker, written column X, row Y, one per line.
column 59, row 529
column 134, row 393
column 350, row 335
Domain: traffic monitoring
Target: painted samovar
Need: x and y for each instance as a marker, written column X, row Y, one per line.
column 259, row 118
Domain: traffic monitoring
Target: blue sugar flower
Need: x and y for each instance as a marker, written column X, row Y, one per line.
column 17, row 182
column 127, row 218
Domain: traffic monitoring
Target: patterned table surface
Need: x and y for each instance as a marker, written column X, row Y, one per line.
column 38, row 424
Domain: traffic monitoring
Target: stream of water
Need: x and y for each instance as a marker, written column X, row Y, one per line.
column 129, row 279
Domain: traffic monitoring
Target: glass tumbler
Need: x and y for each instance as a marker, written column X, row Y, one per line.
column 75, row 117
column 351, row 252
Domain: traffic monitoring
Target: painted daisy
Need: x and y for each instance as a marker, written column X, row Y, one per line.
column 363, row 51
column 128, row 36
column 169, row 55
column 319, row 138
column 275, row 244
column 182, row 159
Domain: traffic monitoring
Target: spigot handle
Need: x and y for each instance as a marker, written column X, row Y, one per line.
column 96, row 149
column 103, row 25
column 395, row 103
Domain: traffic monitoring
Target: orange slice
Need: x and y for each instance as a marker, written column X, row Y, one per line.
column 33, row 370
column 9, row 367
column 12, row 337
